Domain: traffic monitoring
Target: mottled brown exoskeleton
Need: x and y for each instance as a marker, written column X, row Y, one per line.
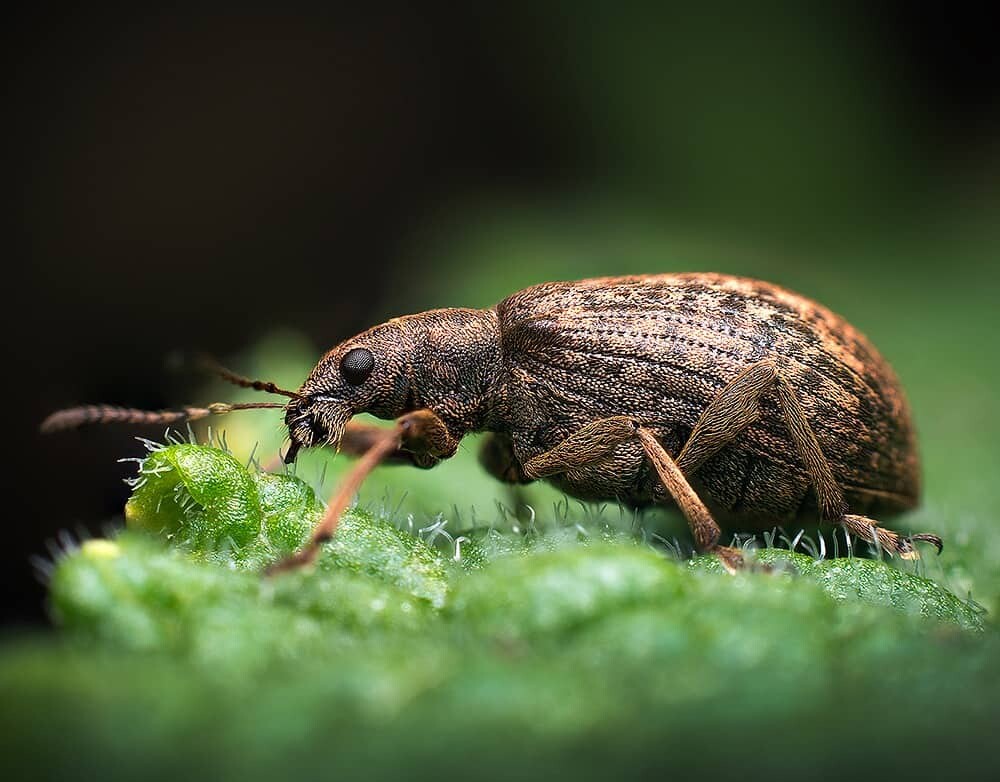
column 741, row 402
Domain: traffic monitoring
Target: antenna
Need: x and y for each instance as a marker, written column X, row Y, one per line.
column 73, row 417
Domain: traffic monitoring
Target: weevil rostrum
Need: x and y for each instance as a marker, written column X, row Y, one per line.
column 744, row 404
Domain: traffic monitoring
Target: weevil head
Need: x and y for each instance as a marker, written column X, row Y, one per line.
column 369, row 373
column 443, row 359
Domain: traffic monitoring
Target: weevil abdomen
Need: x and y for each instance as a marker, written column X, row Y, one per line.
column 661, row 347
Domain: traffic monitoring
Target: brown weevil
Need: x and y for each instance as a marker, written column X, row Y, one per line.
column 737, row 400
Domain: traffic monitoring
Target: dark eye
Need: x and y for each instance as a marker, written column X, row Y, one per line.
column 357, row 365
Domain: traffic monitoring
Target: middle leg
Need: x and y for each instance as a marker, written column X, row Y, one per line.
column 600, row 438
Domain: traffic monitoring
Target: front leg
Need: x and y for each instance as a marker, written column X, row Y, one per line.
column 432, row 444
column 420, row 433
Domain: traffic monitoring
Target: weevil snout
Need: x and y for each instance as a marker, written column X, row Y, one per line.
column 313, row 422
column 292, row 452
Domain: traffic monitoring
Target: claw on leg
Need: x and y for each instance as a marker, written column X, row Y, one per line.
column 928, row 537
column 889, row 541
column 731, row 558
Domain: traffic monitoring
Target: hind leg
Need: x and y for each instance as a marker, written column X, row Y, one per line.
column 831, row 497
column 737, row 406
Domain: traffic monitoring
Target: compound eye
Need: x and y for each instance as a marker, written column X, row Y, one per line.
column 356, row 365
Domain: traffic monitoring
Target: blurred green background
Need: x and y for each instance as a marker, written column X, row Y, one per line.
column 262, row 185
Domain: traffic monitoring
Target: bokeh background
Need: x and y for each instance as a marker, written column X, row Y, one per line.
column 202, row 180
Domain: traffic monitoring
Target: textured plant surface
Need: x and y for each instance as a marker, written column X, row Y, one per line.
column 570, row 642
column 454, row 630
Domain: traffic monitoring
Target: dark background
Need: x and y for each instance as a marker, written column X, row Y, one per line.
column 190, row 181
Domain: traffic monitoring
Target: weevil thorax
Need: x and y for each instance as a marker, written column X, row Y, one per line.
column 448, row 360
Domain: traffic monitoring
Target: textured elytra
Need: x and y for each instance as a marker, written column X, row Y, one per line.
column 554, row 358
column 660, row 348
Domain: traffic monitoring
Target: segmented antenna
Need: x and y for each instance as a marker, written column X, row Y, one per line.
column 213, row 366
column 73, row 417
